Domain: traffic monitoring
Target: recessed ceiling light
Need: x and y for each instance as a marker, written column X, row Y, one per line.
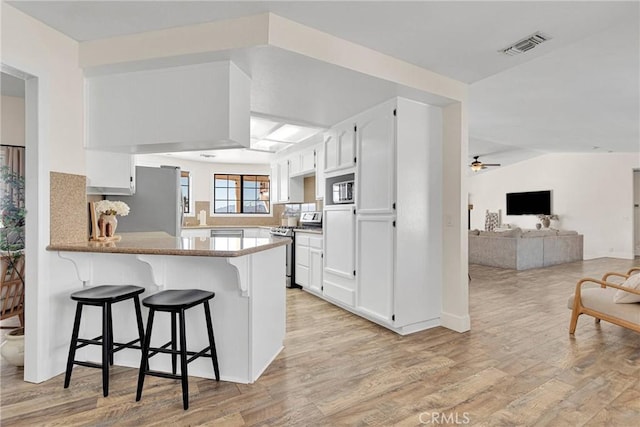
column 292, row 134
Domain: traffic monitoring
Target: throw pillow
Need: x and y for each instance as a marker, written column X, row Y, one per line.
column 622, row 297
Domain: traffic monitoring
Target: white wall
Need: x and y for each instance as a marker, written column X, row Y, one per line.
column 201, row 172
column 54, row 104
column 12, row 121
column 591, row 193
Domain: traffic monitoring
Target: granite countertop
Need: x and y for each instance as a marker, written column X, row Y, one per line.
column 160, row 243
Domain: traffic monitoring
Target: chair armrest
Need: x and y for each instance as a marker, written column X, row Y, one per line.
column 611, row 273
column 604, row 284
column 633, row 270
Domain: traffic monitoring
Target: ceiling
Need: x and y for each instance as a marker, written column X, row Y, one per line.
column 578, row 91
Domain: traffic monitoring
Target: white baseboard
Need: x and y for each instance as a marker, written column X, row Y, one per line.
column 455, row 322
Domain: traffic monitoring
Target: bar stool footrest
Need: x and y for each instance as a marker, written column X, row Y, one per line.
column 87, row 364
column 163, row 375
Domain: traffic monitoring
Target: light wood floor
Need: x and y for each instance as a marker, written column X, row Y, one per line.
column 517, row 366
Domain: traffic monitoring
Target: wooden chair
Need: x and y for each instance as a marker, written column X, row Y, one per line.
column 598, row 302
column 12, row 287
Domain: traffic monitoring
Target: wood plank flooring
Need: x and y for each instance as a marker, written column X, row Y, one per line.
column 517, row 366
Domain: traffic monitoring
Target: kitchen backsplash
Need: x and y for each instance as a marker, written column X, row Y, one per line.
column 278, row 211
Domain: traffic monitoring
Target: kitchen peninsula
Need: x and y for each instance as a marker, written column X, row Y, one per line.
column 247, row 275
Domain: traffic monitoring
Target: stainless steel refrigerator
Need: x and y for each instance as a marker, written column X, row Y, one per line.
column 156, row 204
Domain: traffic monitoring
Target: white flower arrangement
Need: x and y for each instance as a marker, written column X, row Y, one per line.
column 112, row 207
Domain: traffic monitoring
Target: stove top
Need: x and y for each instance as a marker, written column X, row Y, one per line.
column 282, row 230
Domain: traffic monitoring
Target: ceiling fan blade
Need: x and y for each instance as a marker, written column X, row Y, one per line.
column 491, row 164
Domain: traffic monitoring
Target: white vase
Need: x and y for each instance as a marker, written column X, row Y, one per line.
column 13, row 347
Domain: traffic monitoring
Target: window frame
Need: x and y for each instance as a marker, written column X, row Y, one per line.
column 212, row 206
column 191, row 204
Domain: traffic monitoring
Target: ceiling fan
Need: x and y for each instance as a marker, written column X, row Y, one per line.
column 476, row 165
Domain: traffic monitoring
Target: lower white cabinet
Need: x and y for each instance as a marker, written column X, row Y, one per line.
column 375, row 249
column 308, row 268
column 338, row 280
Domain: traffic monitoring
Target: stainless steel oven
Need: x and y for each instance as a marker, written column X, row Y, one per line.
column 287, row 231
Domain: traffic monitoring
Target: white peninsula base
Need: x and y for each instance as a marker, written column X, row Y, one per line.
column 249, row 308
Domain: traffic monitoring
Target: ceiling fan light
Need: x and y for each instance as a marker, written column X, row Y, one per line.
column 476, row 167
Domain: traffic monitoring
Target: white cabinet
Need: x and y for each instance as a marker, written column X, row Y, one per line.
column 155, row 108
column 395, row 240
column 375, row 250
column 320, row 183
column 308, row 161
column 315, row 269
column 288, row 190
column 339, row 253
column 308, row 258
column 302, row 163
column 110, row 173
column 376, row 172
column 340, row 147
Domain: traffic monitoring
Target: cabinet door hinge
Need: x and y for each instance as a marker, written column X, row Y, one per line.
column 394, row 223
column 393, row 317
column 355, row 128
column 395, row 111
column 394, row 206
column 354, row 273
column 322, row 288
column 130, row 179
column 354, row 211
column 355, row 160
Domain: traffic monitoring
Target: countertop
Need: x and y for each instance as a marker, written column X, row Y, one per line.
column 160, row 243
column 196, row 227
column 308, row 230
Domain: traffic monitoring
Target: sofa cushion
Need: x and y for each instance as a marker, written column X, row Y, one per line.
column 474, row 232
column 512, row 232
column 622, row 297
column 601, row 299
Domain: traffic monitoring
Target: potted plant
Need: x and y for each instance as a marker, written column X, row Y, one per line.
column 12, row 239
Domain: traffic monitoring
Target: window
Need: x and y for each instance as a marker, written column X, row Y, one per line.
column 185, row 187
column 241, row 194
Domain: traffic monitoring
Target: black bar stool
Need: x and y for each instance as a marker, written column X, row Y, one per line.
column 176, row 301
column 103, row 296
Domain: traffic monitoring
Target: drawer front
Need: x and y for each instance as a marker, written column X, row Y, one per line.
column 302, row 240
column 315, row 242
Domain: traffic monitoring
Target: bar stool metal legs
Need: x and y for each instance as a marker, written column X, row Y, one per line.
column 104, row 297
column 176, row 302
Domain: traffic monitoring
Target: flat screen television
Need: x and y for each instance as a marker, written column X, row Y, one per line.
column 529, row 203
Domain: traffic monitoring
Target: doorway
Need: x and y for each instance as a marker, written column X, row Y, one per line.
column 20, row 138
column 636, row 213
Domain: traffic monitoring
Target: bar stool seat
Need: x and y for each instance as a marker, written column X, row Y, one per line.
column 176, row 301
column 103, row 296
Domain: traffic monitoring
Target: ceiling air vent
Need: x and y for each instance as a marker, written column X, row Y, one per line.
column 525, row 44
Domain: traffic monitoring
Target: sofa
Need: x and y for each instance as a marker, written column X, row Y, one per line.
column 519, row 249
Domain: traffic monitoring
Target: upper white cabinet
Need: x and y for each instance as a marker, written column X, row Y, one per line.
column 202, row 106
column 320, row 184
column 303, row 163
column 110, row 173
column 287, row 190
column 340, row 147
column 376, row 168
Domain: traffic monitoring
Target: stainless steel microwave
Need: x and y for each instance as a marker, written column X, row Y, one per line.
column 343, row 192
